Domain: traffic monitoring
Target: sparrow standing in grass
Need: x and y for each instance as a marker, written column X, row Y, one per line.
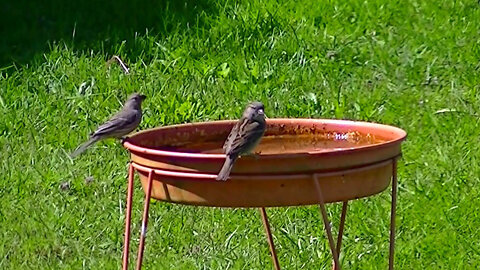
column 244, row 137
column 121, row 124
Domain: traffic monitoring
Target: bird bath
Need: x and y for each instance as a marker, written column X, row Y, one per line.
column 298, row 162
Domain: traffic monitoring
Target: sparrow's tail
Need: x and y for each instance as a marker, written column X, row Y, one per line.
column 227, row 167
column 84, row 146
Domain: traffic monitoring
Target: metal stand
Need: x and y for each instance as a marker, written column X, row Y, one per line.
column 327, row 225
column 393, row 214
column 128, row 219
column 335, row 248
column 340, row 230
column 276, row 264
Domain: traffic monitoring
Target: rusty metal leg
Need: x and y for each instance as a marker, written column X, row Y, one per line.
column 342, row 226
column 128, row 217
column 326, row 223
column 393, row 213
column 340, row 230
column 269, row 238
column 143, row 232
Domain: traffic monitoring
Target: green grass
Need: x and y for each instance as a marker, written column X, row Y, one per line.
column 393, row 62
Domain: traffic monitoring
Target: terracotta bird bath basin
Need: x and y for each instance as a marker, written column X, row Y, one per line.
column 298, row 162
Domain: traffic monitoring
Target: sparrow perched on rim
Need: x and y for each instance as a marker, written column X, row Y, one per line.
column 119, row 125
column 244, row 137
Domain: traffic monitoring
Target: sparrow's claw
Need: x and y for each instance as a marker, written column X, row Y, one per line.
column 254, row 155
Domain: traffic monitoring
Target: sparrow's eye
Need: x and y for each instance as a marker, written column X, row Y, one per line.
column 260, row 111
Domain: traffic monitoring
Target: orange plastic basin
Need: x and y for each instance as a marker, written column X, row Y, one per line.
column 349, row 159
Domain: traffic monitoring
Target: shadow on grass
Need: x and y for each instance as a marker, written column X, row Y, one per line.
column 28, row 27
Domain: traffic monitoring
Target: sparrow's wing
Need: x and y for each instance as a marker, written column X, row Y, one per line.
column 233, row 133
column 119, row 125
column 248, row 135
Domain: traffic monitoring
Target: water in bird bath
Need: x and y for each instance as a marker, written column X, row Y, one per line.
column 290, row 143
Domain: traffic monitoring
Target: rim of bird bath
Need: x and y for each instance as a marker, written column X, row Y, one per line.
column 170, row 171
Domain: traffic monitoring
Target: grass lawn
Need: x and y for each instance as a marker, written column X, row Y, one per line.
column 393, row 62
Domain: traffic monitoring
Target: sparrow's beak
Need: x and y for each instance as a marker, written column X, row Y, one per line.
column 261, row 112
column 143, row 97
